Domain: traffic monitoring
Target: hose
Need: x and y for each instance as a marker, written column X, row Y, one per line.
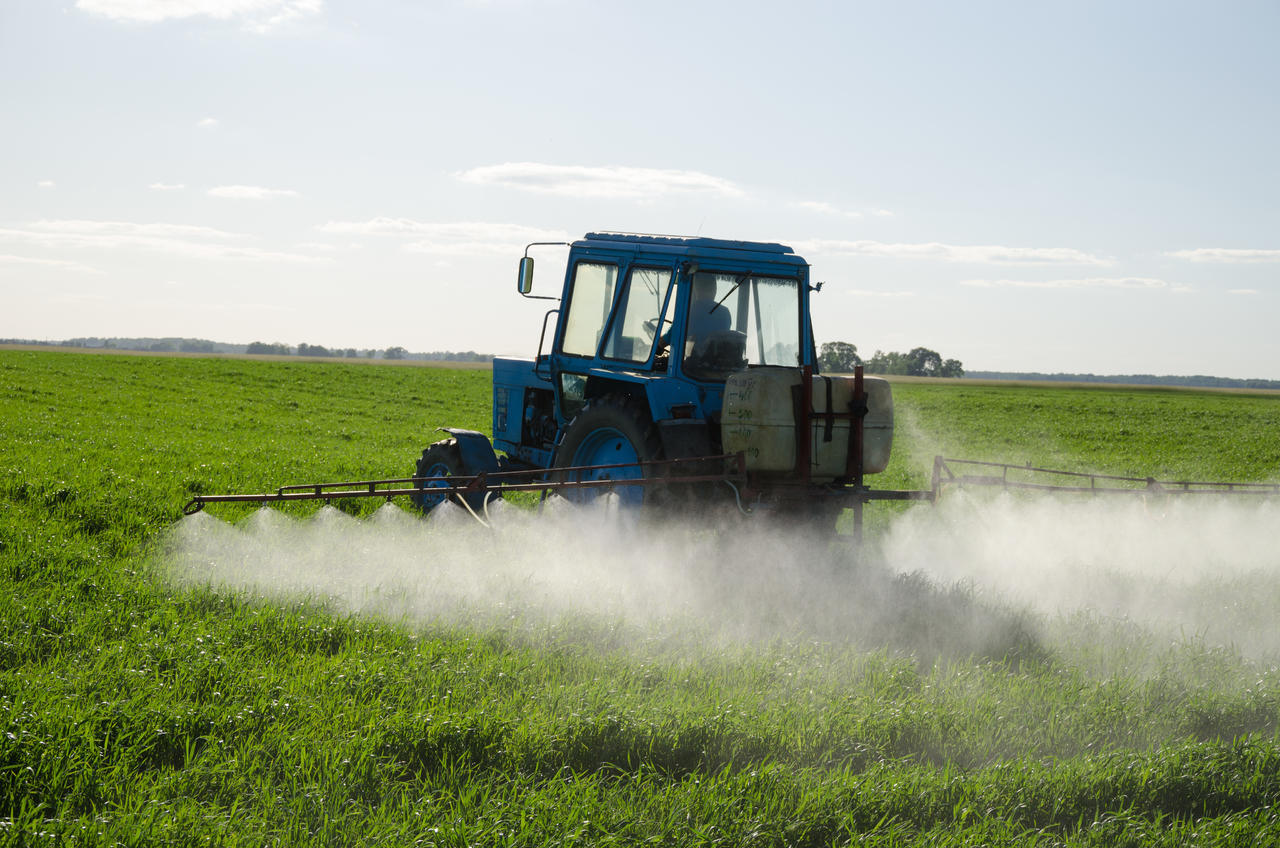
column 737, row 497
column 483, row 523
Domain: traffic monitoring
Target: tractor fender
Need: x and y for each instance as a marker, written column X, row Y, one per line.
column 476, row 450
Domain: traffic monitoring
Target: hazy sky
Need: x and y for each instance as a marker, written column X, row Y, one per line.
column 1067, row 186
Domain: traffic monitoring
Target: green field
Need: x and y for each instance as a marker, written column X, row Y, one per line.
column 318, row 679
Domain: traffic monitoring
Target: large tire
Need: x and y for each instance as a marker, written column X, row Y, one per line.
column 611, row 430
column 442, row 459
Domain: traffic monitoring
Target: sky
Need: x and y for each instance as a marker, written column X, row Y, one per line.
column 1053, row 186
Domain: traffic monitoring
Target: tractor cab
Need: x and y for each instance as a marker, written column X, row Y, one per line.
column 654, row 324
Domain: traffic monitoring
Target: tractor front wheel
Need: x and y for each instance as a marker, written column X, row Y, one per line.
column 614, row 430
column 442, row 459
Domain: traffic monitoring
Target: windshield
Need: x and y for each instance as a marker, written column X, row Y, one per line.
column 737, row 320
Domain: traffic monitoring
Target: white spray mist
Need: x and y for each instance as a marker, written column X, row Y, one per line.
column 1207, row 569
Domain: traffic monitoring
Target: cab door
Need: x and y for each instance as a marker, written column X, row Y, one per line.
column 614, row 303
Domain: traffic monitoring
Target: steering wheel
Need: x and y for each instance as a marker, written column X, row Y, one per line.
column 720, row 351
column 652, row 325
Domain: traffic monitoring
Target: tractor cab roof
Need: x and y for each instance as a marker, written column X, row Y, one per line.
column 693, row 246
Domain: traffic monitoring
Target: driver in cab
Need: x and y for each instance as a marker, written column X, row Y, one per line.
column 706, row 317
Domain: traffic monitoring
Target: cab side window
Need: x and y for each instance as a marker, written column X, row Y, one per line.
column 590, row 299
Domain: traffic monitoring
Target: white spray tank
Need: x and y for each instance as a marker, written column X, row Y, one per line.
column 759, row 419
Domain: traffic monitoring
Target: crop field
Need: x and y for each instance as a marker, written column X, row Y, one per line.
column 996, row 670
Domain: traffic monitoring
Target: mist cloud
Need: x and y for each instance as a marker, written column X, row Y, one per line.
column 970, row 577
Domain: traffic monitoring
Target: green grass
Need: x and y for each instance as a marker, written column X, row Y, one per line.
column 135, row 710
column 1164, row 433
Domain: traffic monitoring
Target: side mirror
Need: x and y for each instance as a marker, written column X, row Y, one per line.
column 524, row 282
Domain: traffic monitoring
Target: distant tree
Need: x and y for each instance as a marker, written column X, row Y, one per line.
column 396, row 352
column 919, row 362
column 351, row 353
column 305, row 349
column 370, row 353
column 454, row 356
column 261, row 348
column 838, row 356
column 922, row 362
column 195, row 346
column 887, row 363
column 162, row 347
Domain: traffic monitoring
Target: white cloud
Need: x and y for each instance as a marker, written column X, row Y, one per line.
column 207, row 123
column 1141, row 283
column 243, row 192
column 823, row 208
column 455, row 238
column 46, row 184
column 1243, row 291
column 977, row 253
column 381, row 226
column 166, row 187
column 181, row 239
column 1226, row 254
column 71, row 230
column 10, row 259
column 590, row 182
column 257, row 15
column 284, row 12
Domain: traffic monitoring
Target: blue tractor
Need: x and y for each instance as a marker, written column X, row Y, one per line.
column 675, row 364
column 682, row 370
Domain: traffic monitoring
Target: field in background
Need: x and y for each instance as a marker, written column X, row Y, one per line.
column 261, row 357
column 143, row 710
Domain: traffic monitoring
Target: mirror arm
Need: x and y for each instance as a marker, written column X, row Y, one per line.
column 524, row 281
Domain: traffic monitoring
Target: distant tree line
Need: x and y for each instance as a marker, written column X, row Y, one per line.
column 833, row 357
column 1195, row 381
column 165, row 345
column 304, row 349
column 264, row 349
column 394, row 352
column 917, row 362
column 456, row 356
column 182, row 345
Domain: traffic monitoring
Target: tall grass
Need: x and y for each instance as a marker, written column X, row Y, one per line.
column 140, row 710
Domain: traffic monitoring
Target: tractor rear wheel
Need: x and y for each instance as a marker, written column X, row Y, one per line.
column 612, row 430
column 442, row 459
